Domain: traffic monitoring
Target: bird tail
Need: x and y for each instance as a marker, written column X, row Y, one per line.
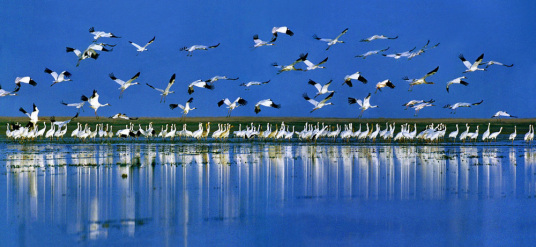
column 84, row 98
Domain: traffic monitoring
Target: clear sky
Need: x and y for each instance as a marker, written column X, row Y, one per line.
column 34, row 34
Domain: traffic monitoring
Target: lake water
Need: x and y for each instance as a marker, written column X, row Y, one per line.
column 267, row 194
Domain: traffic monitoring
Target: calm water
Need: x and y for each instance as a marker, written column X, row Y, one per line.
column 247, row 194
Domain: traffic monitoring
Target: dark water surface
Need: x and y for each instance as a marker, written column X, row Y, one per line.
column 251, row 194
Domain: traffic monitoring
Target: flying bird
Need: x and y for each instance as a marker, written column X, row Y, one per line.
column 101, row 34
column 63, row 76
column 375, row 37
column 321, row 89
column 311, row 66
column 400, row 54
column 332, row 41
column 219, row 77
column 267, row 103
column 94, row 102
column 316, row 104
column 370, row 53
column 25, row 79
column 284, row 30
column 422, row 80
column 258, row 42
column 123, row 116
column 384, row 83
column 422, row 50
column 461, row 104
column 77, row 105
column 60, row 124
column 420, row 106
column 472, row 67
column 489, row 63
column 500, row 114
column 458, row 80
column 291, row 66
column 364, row 105
column 83, row 55
column 355, row 76
column 4, row 93
column 232, row 105
column 164, row 92
column 124, row 84
column 253, row 83
column 185, row 108
column 201, row 84
column 411, row 103
column 142, row 48
column 33, row 116
column 192, row 48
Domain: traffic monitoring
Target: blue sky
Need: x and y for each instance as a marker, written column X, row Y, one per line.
column 34, row 35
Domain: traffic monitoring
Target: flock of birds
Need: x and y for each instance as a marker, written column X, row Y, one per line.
column 366, row 132
column 94, row 50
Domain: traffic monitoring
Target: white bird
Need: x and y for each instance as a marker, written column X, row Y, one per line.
column 94, row 102
column 332, row 41
column 364, row 105
column 420, row 106
column 192, row 48
column 267, row 103
column 422, row 80
column 370, row 53
column 253, row 83
column 142, row 48
column 411, row 103
column 382, row 84
column 500, row 114
column 232, row 105
column 201, row 84
column 283, row 68
column 458, row 80
column 60, row 124
column 489, row 63
column 355, row 76
column 63, row 76
column 472, row 67
column 284, row 30
column 311, row 66
column 422, row 50
column 25, row 79
column 464, row 134
column 321, row 89
column 101, row 34
column 527, row 137
column 400, row 54
column 375, row 37
column 77, row 105
column 4, row 93
column 185, row 108
column 316, row 104
column 493, row 136
column 34, row 116
column 124, row 84
column 454, row 134
column 512, row 136
column 461, row 104
column 486, row 133
column 123, row 116
column 258, row 42
column 220, row 77
column 164, row 92
column 89, row 53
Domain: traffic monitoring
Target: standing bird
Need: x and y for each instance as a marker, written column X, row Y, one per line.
column 192, row 48
column 25, row 79
column 512, row 136
column 94, row 102
column 124, row 84
column 253, row 83
column 101, row 34
column 34, row 116
column 370, row 53
column 375, row 37
column 316, row 104
column 185, row 109
column 413, row 82
column 284, row 30
column 472, row 67
column 364, row 105
column 77, row 105
column 4, row 93
column 461, row 104
column 164, row 92
column 290, row 66
column 500, row 114
column 355, row 76
column 454, row 134
column 142, row 48
column 384, row 83
column 321, row 89
column 63, row 76
column 201, row 84
column 238, row 102
column 331, row 41
column 458, row 80
column 267, row 103
column 258, row 42
column 311, row 66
